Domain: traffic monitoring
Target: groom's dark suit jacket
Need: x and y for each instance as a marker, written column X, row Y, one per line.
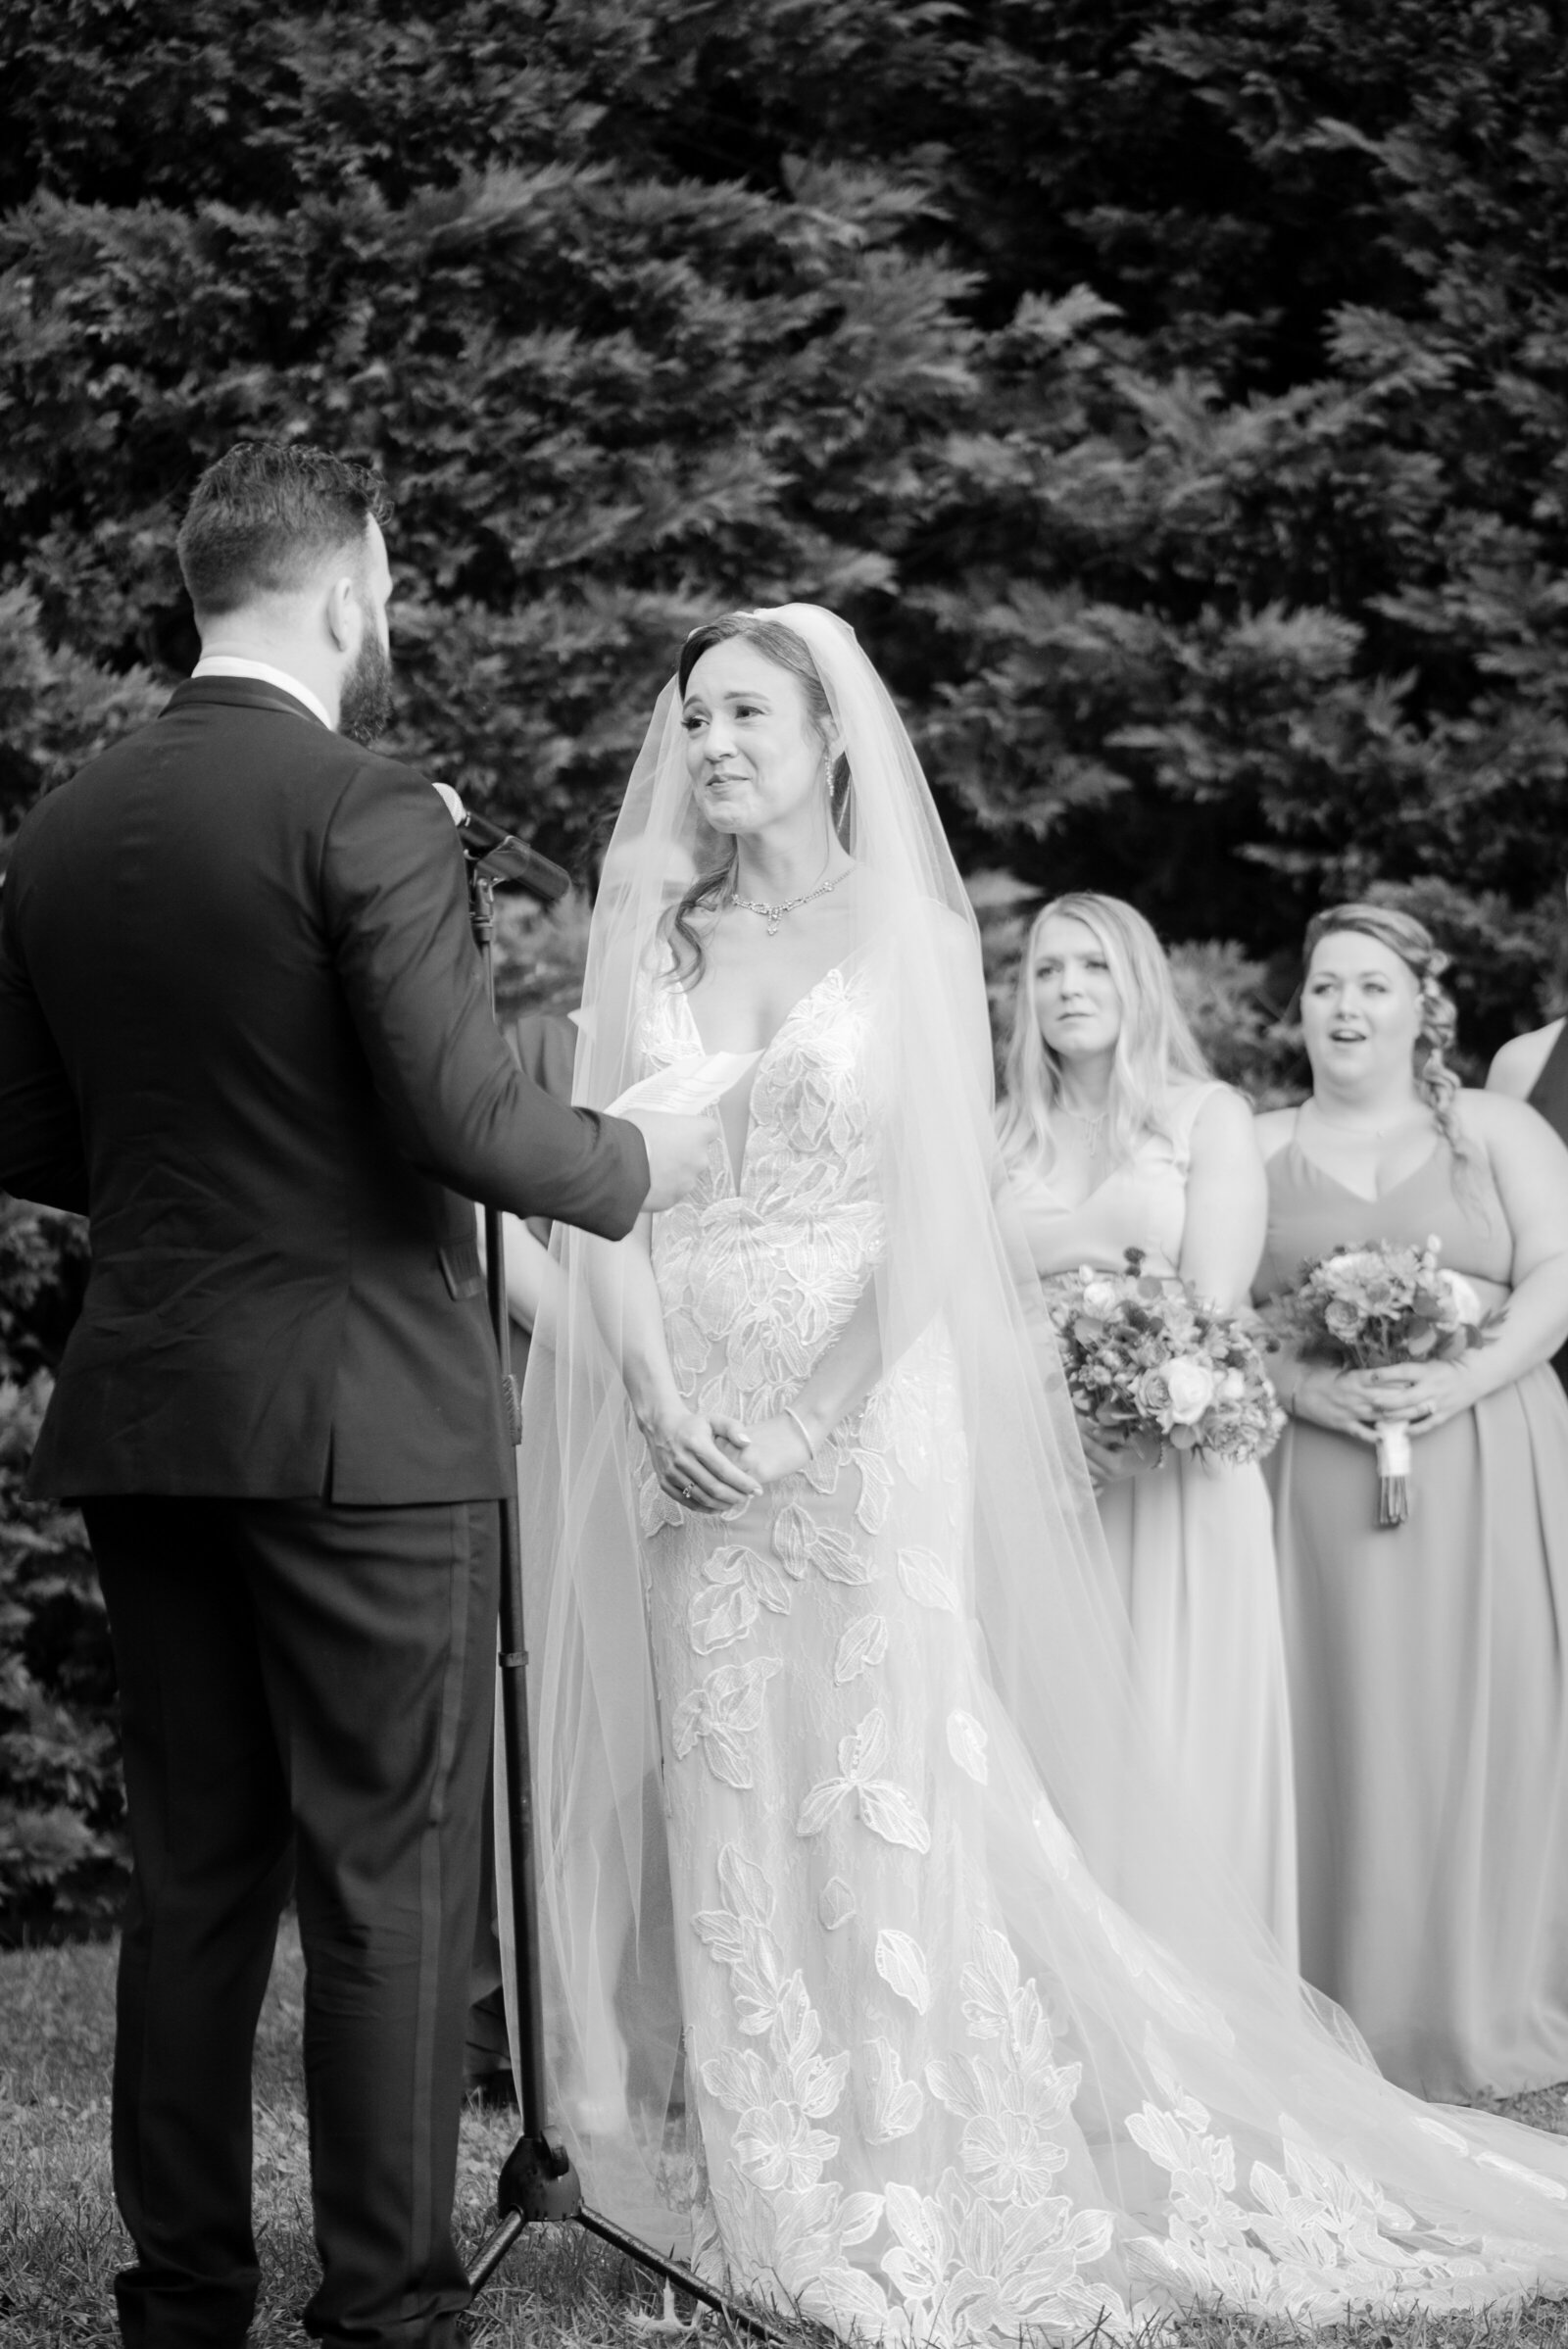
column 243, row 1027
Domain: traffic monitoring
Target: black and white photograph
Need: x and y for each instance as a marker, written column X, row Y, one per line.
column 784, row 1174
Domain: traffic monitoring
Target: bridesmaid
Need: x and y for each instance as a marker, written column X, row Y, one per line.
column 1429, row 1661
column 1534, row 1068
column 1117, row 1137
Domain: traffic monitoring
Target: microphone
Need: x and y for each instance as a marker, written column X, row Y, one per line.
column 494, row 850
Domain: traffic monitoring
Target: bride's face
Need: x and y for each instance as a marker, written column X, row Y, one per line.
column 1075, row 998
column 754, row 757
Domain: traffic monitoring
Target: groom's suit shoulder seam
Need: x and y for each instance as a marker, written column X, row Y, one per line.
column 367, row 767
column 370, row 767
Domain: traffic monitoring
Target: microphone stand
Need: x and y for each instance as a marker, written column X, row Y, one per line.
column 538, row 2184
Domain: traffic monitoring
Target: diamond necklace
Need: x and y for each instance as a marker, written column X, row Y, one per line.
column 774, row 915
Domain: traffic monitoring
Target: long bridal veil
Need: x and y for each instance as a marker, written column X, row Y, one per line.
column 1242, row 2141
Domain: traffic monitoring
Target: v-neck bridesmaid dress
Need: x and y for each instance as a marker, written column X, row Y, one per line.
column 1428, row 1683
column 1549, row 1094
column 1192, row 1549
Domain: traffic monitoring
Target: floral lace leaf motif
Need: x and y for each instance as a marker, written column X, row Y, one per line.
column 836, row 1905
column 803, row 1542
column 892, row 1814
column 862, row 1646
column 723, row 1713
column 865, row 1749
column 894, row 2104
column 966, row 1743
column 739, row 1564
column 927, row 1580
column 900, row 1962
column 736, row 2078
column 718, row 1617
column 751, row 1894
column 884, row 1806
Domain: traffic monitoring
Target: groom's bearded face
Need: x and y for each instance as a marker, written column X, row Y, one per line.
column 366, row 698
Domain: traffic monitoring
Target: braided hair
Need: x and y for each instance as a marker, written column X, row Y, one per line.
column 1435, row 1082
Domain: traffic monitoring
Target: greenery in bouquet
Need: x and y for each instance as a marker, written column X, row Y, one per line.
column 1145, row 1357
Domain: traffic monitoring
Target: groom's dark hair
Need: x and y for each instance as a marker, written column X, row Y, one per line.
column 267, row 515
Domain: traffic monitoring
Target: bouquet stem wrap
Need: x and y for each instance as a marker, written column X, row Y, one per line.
column 1371, row 1307
column 1393, row 1470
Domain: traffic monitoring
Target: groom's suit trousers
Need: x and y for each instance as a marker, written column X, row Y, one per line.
column 308, row 1684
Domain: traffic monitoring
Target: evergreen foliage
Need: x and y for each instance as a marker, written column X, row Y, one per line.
column 62, row 1838
column 1174, row 394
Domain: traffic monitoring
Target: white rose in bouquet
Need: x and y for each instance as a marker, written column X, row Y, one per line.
column 1466, row 1297
column 1189, row 1384
column 1180, row 1393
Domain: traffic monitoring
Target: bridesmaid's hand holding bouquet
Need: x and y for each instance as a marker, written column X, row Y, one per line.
column 1380, row 1307
column 1152, row 1367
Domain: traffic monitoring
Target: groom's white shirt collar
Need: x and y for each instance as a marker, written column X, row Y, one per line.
column 230, row 665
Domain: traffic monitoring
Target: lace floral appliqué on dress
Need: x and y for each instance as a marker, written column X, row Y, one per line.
column 884, row 2104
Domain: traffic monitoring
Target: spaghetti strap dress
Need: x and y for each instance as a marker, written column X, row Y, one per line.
column 1428, row 1682
column 1549, row 1094
column 1192, row 1548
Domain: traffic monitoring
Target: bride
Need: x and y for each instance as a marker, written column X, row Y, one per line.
column 877, row 1952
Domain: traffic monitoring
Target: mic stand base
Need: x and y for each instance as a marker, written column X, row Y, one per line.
column 538, row 2186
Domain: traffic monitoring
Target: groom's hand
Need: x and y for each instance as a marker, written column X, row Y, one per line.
column 678, row 1155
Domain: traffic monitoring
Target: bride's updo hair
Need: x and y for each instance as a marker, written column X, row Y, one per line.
column 1414, row 943
column 1156, row 1050
column 718, row 851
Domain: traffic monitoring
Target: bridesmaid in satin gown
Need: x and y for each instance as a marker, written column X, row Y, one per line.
column 1117, row 1137
column 1429, row 1661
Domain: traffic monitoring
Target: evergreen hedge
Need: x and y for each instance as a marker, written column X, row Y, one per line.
column 1173, row 393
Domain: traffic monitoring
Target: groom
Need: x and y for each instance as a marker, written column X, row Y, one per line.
column 242, row 1027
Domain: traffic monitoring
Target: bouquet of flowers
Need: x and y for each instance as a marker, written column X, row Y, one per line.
column 1144, row 1356
column 1367, row 1308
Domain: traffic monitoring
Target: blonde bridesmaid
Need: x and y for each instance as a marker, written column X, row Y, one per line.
column 1117, row 1137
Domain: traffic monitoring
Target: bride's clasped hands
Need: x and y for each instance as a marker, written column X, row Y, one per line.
column 720, row 1463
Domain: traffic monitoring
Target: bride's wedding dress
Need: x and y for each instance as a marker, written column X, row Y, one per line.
column 884, row 2105
column 941, row 2023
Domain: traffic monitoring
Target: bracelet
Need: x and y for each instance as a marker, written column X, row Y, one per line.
column 805, row 1433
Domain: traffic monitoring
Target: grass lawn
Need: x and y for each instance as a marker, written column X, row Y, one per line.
column 59, row 2235
column 60, row 2240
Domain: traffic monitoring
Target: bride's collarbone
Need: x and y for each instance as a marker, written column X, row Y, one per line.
column 753, row 980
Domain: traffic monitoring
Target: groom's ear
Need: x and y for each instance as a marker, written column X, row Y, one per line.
column 344, row 612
